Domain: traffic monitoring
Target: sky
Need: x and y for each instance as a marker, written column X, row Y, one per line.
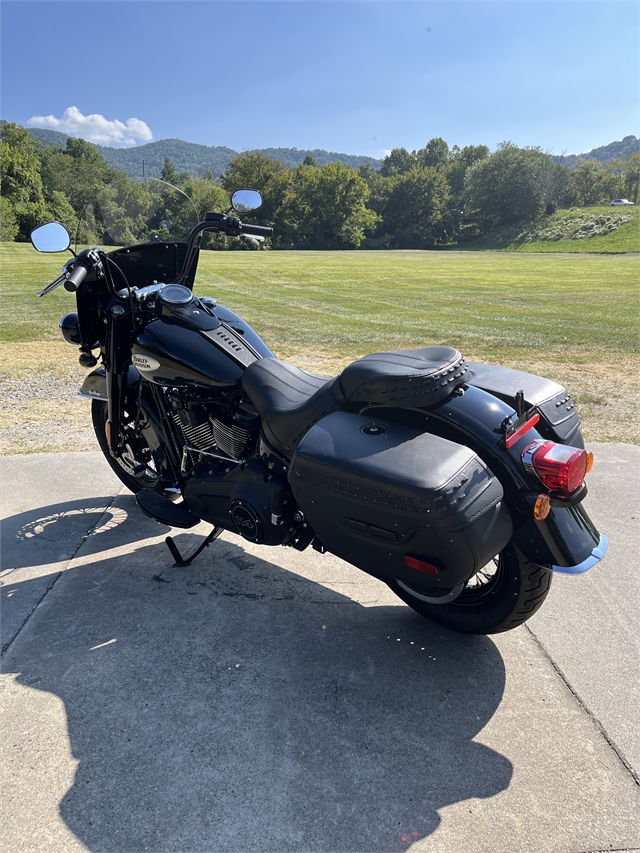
column 350, row 77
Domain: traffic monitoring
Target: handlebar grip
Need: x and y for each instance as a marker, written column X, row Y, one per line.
column 75, row 278
column 257, row 230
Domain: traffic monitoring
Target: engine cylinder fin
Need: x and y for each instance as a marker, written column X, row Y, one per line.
column 233, row 440
column 200, row 437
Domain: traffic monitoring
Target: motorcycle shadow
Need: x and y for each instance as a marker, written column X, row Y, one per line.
column 239, row 705
column 37, row 544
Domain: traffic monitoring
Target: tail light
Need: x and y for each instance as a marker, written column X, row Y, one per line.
column 559, row 467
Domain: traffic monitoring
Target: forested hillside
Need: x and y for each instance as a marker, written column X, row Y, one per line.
column 604, row 154
column 193, row 159
column 435, row 196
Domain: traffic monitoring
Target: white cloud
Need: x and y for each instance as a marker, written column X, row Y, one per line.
column 96, row 128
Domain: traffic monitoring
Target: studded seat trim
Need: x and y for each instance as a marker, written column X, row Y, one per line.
column 405, row 379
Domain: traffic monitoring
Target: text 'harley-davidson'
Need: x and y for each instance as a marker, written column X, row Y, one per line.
column 459, row 485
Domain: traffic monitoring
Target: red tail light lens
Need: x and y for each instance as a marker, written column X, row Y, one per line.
column 561, row 468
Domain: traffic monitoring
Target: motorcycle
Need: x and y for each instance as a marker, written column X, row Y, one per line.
column 459, row 485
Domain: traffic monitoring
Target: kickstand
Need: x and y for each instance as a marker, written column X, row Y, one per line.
column 182, row 562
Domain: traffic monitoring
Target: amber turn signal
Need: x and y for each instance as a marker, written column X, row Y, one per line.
column 542, row 507
column 589, row 461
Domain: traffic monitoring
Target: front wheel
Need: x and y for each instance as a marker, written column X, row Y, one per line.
column 135, row 468
column 501, row 596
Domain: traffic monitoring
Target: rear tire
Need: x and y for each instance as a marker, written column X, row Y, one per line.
column 500, row 597
column 137, row 453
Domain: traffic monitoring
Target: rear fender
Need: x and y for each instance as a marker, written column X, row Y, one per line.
column 567, row 540
column 559, row 420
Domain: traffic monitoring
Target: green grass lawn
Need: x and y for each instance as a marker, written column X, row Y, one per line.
column 350, row 303
column 571, row 317
column 357, row 302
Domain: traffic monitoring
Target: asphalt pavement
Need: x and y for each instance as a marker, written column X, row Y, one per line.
column 266, row 700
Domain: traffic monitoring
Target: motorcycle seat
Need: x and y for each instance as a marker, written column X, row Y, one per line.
column 414, row 378
column 289, row 400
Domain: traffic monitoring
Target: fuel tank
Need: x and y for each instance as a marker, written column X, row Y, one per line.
column 190, row 345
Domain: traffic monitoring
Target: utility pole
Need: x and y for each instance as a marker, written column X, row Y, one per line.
column 143, row 168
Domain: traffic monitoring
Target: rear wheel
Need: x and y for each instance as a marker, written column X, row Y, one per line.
column 501, row 596
column 135, row 467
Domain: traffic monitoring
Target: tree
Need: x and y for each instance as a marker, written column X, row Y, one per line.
column 589, row 183
column 84, row 152
column 58, row 208
column 460, row 160
column 9, row 227
column 435, row 154
column 171, row 175
column 251, row 170
column 552, row 182
column 256, row 171
column 207, row 196
column 416, row 213
column 632, row 178
column 397, row 162
column 21, row 183
column 79, row 172
column 326, row 208
column 504, row 188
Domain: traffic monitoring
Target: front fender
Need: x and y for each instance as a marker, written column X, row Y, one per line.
column 95, row 383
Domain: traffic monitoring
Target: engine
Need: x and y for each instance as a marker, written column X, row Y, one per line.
column 216, row 426
column 229, row 485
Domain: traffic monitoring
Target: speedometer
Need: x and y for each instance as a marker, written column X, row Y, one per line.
column 175, row 294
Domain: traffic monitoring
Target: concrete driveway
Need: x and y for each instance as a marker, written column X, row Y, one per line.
column 265, row 700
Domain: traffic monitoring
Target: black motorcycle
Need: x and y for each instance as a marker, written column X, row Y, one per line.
column 459, row 485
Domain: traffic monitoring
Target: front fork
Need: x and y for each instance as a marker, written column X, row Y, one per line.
column 118, row 359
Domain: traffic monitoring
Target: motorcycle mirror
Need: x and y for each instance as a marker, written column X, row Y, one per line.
column 244, row 200
column 50, row 238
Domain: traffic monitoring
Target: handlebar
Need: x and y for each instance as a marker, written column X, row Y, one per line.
column 231, row 226
column 218, row 223
column 75, row 278
column 257, row 230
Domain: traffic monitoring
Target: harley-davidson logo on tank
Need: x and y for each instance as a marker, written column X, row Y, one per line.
column 145, row 363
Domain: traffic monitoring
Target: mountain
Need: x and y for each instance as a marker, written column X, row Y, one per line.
column 624, row 148
column 48, row 137
column 192, row 158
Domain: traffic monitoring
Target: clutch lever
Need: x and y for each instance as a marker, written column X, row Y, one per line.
column 52, row 286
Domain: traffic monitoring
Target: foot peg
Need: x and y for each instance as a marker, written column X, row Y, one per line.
column 163, row 510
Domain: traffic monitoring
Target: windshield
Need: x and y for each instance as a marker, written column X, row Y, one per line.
column 131, row 211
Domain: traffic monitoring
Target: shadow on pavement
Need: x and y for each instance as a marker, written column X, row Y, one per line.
column 53, row 533
column 236, row 705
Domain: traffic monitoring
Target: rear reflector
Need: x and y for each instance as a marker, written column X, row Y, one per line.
column 561, row 468
column 421, row 565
